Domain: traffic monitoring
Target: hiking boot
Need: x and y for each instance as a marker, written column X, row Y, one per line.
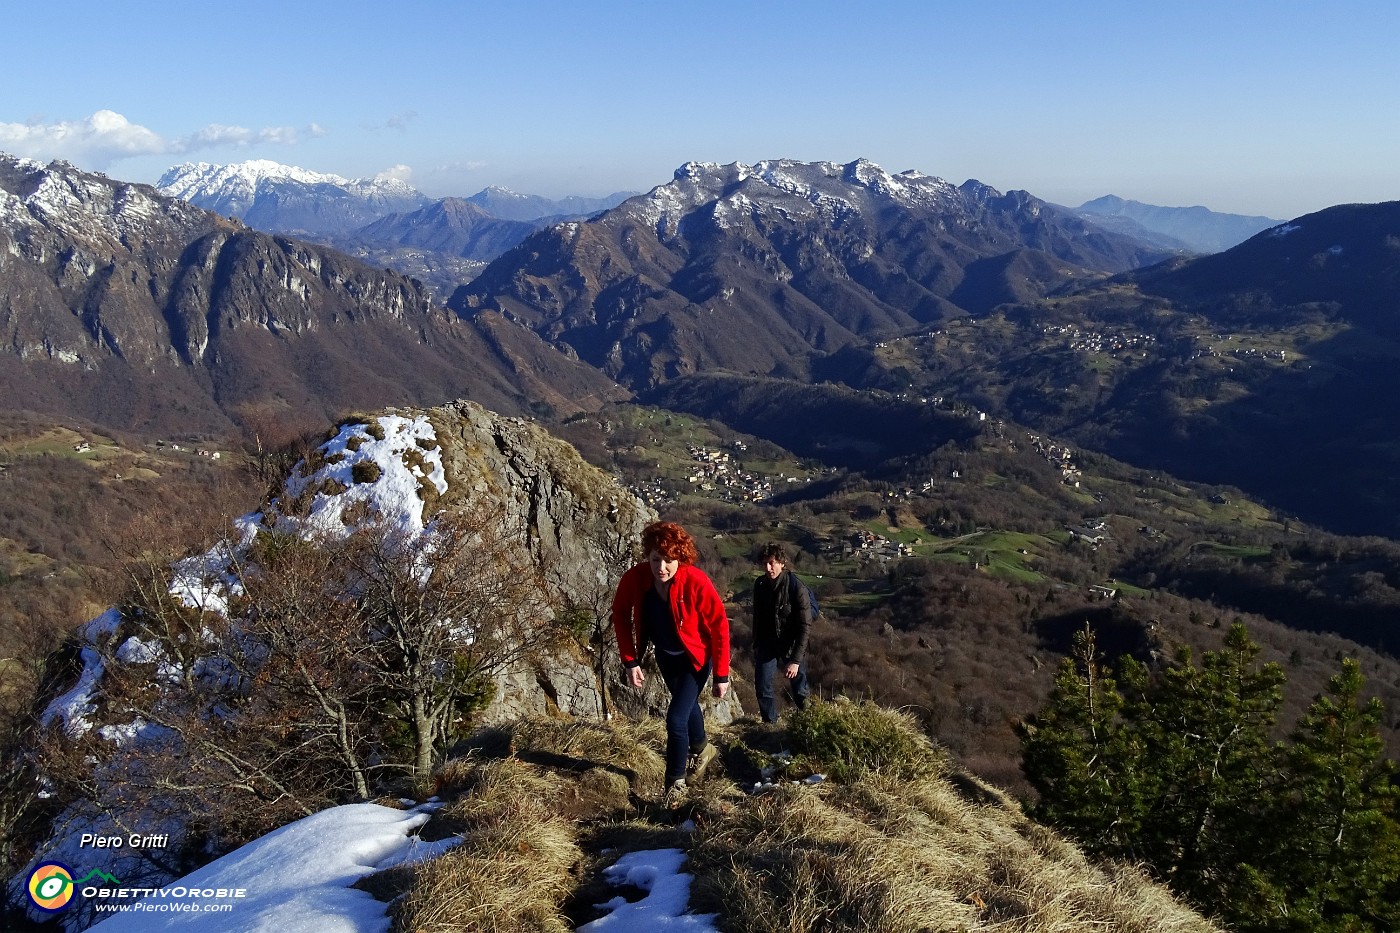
column 676, row 794
column 700, row 760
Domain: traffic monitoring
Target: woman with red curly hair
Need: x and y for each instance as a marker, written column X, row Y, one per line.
column 668, row 602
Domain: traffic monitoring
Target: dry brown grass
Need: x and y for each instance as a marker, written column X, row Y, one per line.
column 514, row 866
column 505, row 877
column 630, row 749
column 519, row 817
column 880, row 854
column 889, row 856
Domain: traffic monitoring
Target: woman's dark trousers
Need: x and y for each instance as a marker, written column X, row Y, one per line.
column 685, row 723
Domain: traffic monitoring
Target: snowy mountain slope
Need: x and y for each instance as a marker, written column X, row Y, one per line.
column 286, row 199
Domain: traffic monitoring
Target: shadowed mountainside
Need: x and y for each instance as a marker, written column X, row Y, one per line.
column 122, row 306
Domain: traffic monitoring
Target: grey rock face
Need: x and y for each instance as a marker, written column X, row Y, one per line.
column 582, row 529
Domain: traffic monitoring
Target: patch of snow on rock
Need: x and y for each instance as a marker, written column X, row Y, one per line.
column 393, row 493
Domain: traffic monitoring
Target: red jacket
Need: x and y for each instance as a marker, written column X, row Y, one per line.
column 701, row 621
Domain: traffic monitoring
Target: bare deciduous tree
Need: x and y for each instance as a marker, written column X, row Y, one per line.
column 344, row 665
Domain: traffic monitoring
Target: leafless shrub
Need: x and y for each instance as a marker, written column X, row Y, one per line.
column 345, row 667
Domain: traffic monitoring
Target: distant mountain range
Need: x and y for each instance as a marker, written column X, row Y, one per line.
column 441, row 242
column 754, row 267
column 509, row 205
column 452, row 225
column 1194, row 229
column 130, row 308
column 280, row 198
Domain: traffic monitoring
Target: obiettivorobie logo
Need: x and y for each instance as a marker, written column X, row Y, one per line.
column 51, row 888
column 51, row 885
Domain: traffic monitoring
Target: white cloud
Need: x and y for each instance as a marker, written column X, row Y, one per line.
column 216, row 134
column 400, row 121
column 398, row 172
column 107, row 136
column 100, row 139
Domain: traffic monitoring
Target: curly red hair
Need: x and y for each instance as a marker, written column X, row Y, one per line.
column 671, row 540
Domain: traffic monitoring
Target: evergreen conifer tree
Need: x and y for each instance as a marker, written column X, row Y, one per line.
column 1339, row 866
column 1072, row 754
column 1210, row 769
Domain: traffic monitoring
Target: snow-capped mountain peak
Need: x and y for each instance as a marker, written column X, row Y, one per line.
column 792, row 188
column 241, row 179
column 286, row 198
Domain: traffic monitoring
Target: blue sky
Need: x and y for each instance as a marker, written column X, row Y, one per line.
column 1276, row 108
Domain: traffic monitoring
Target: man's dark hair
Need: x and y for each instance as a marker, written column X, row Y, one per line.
column 773, row 551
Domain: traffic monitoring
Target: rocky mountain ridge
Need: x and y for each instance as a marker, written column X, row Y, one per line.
column 754, row 268
column 137, row 310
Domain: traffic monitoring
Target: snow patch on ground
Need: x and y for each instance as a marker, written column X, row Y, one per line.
column 296, row 879
column 657, row 872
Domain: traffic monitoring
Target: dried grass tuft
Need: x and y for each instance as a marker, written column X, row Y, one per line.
column 514, row 866
column 510, row 875
column 892, row 855
column 626, row 748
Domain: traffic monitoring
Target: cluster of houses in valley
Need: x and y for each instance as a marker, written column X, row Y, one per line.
column 1059, row 456
column 917, row 339
column 1093, row 532
column 867, row 545
column 1240, row 352
column 1092, row 341
column 654, row 492
column 715, row 472
column 864, row 545
column 185, row 448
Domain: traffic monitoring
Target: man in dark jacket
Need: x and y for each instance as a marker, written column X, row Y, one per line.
column 782, row 616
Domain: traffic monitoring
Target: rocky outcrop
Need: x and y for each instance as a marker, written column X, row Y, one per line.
column 575, row 527
column 581, row 529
